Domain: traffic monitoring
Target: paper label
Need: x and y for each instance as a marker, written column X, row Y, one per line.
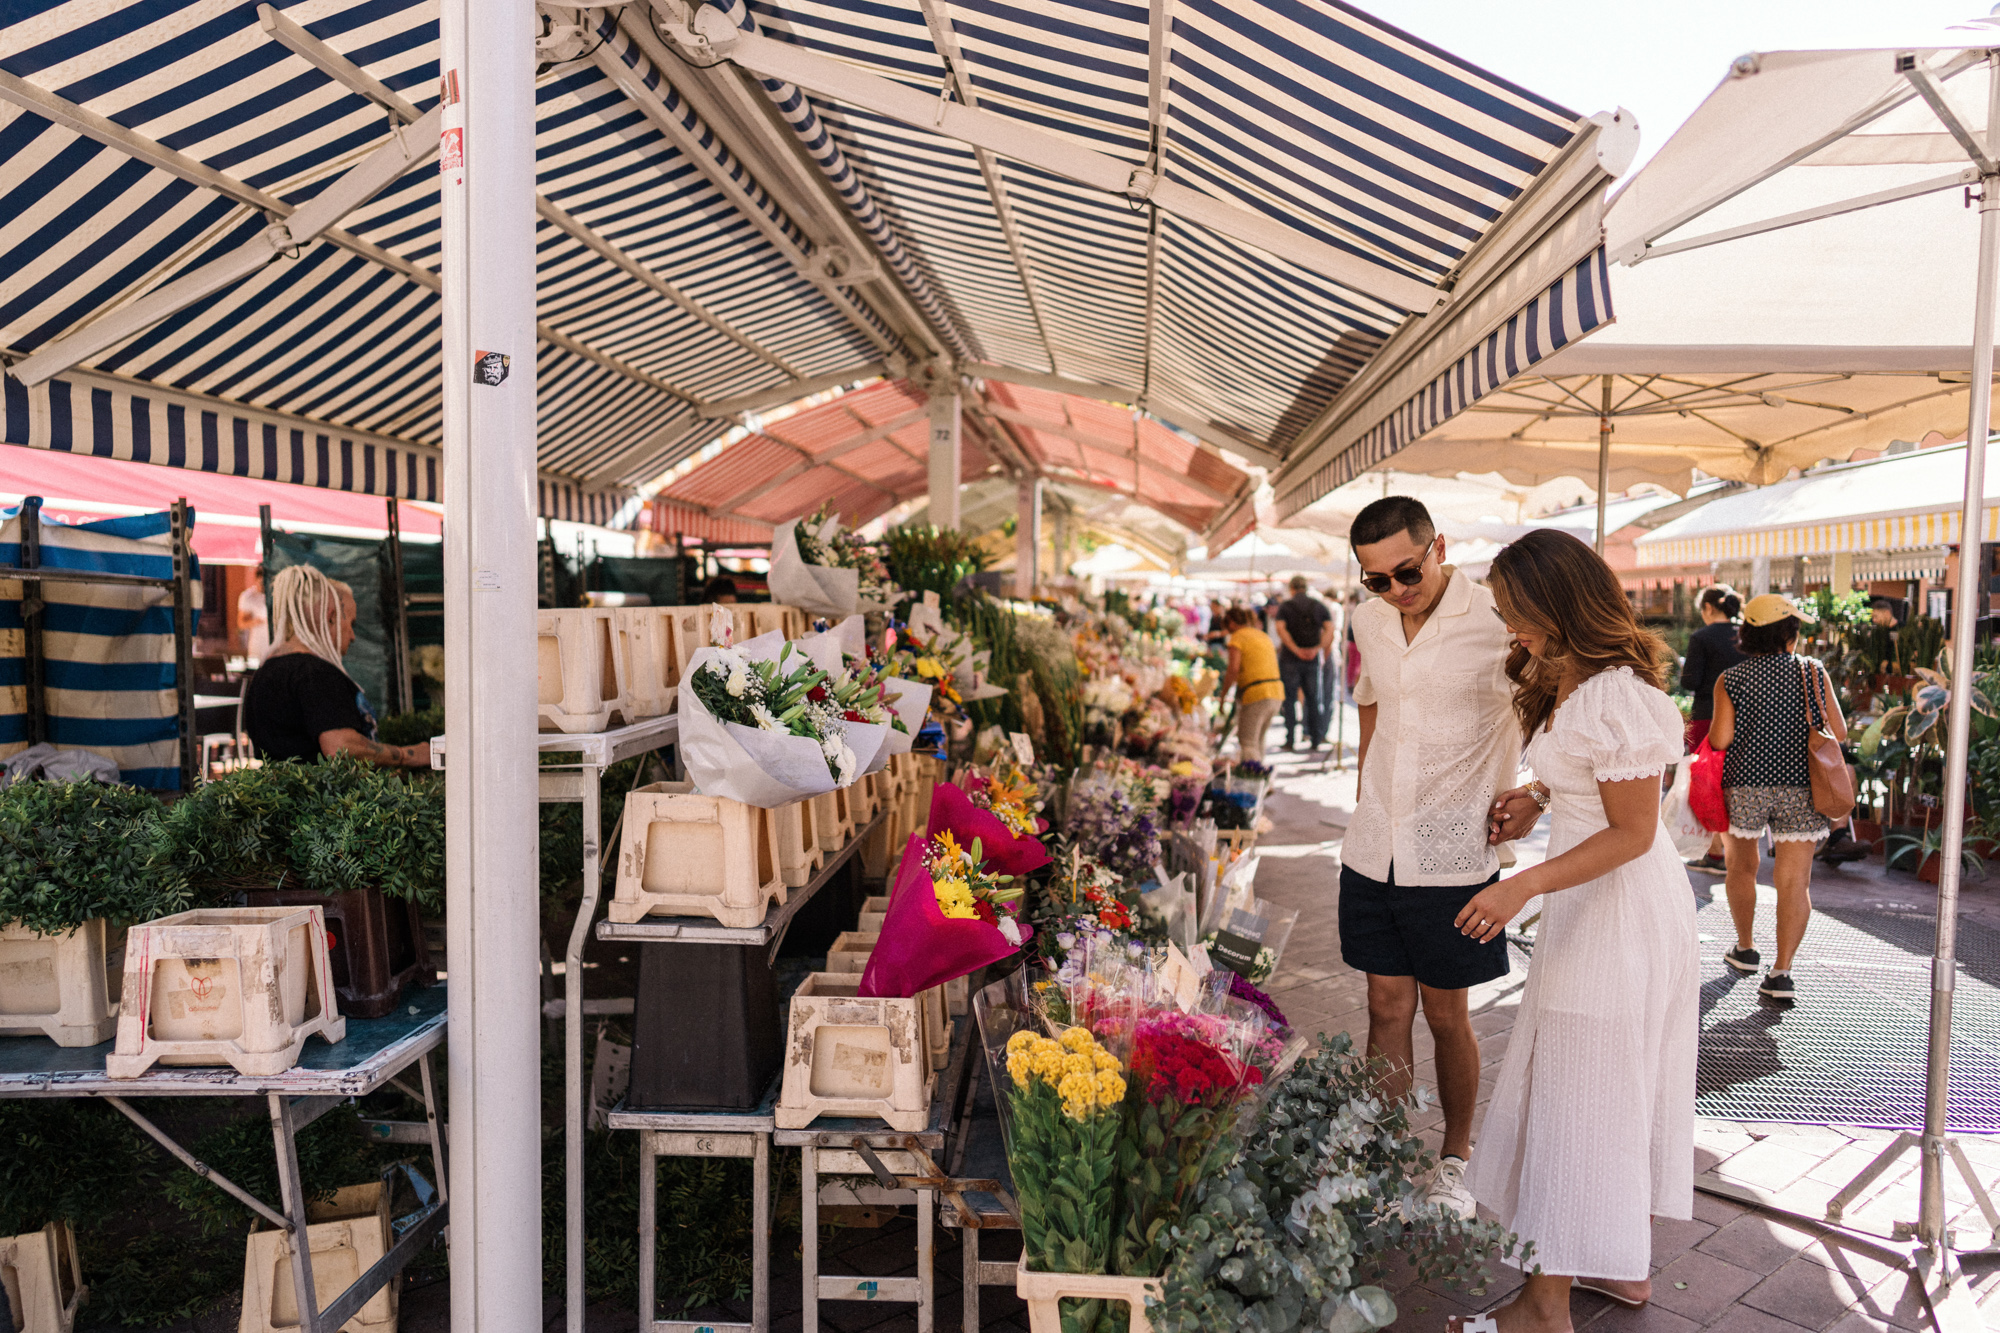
column 1024, row 749
column 1236, row 947
column 1178, row 975
column 931, row 600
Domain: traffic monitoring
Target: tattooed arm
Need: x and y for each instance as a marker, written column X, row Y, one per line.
column 346, row 740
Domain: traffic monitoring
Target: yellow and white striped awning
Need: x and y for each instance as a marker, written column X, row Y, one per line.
column 1888, row 504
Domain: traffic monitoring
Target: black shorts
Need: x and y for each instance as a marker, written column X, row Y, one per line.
column 1410, row 931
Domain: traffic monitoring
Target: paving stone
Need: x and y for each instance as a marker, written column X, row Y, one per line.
column 1769, row 1165
column 1863, row 1267
column 1713, row 1285
column 1674, row 1236
column 1743, row 1319
column 1759, row 1243
column 1648, row 1318
column 1899, row 1299
column 1859, row 1321
column 1714, row 1211
column 1804, row 1293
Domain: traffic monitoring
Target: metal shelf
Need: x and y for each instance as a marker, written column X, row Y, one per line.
column 599, row 749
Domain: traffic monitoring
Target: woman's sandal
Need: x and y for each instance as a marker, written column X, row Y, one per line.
column 1626, row 1301
column 1479, row 1323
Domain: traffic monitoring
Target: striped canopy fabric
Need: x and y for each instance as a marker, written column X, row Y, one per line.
column 700, row 259
column 108, row 664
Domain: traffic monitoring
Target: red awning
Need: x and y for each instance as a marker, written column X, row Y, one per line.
column 79, row 488
column 865, row 452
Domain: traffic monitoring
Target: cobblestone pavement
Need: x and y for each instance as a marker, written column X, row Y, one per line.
column 1730, row 1269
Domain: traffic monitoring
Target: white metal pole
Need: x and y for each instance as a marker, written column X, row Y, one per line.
column 1027, row 534
column 1603, row 463
column 944, row 413
column 1967, row 604
column 487, row 168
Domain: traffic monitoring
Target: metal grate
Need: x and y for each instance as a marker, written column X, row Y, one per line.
column 1852, row 1050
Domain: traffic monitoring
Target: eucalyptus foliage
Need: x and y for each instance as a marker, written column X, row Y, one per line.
column 1321, row 1195
column 73, row 851
column 331, row 827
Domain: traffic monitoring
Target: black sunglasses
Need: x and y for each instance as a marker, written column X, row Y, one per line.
column 1409, row 578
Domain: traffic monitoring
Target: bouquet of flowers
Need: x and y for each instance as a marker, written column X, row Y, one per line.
column 1111, row 828
column 818, row 568
column 823, row 541
column 759, row 726
column 1066, row 1100
column 1008, row 851
column 949, row 915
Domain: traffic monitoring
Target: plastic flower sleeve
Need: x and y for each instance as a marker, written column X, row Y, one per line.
column 920, row 946
column 910, row 700
column 1005, row 852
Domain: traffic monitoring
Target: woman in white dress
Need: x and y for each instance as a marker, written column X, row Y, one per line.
column 1590, row 1133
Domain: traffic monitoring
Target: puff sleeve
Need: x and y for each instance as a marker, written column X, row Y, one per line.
column 1620, row 726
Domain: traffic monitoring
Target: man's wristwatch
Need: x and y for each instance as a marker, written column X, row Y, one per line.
column 1539, row 794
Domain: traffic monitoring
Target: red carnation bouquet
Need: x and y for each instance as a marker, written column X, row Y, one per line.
column 1006, row 850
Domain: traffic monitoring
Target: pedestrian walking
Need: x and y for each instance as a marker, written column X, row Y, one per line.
column 1765, row 707
column 1438, row 740
column 1253, row 674
column 1305, row 631
column 1590, row 1133
column 1711, row 651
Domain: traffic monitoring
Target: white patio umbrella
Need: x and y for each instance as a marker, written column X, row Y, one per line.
column 1838, row 180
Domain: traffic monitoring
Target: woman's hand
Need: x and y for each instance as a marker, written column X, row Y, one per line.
column 1487, row 915
column 1513, row 815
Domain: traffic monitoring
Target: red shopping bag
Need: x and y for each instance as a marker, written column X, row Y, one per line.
column 1705, row 788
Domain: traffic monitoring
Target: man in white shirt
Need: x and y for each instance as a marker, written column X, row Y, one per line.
column 1438, row 741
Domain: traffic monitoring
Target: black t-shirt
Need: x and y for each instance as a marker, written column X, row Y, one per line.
column 295, row 697
column 1303, row 616
column 1711, row 651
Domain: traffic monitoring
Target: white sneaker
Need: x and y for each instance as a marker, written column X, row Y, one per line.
column 1448, row 1190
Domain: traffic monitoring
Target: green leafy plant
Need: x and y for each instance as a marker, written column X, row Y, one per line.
column 928, row 559
column 331, row 827
column 74, row 851
column 75, row 1160
column 412, row 728
column 1322, row 1196
column 1909, row 850
column 332, row 1152
column 1918, row 644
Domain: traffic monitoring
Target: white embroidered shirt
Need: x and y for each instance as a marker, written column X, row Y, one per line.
column 1445, row 740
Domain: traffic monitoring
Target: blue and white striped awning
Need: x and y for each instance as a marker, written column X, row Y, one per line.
column 699, row 259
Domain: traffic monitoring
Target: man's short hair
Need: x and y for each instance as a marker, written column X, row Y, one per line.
column 1388, row 516
column 1299, row 583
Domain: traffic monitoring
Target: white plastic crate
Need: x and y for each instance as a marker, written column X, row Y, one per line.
column 1044, row 1292
column 345, row 1235
column 236, row 986
column 652, row 659
column 799, row 852
column 57, row 986
column 40, row 1280
column 684, row 854
column 580, row 669
column 833, row 819
column 846, row 1055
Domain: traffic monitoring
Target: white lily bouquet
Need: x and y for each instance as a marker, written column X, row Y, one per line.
column 861, row 686
column 825, row 569
column 761, row 724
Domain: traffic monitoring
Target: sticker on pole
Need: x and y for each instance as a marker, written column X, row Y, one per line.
column 451, row 154
column 489, row 367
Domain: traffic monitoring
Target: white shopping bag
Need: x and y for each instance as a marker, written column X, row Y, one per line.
column 1689, row 835
column 818, row 590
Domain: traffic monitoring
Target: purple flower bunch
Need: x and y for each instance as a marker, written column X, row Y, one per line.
column 1241, row 989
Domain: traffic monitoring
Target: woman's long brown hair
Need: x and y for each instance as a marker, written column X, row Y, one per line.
column 1550, row 583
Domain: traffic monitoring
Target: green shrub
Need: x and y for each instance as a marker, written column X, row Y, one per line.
column 72, row 1160
column 411, row 728
column 330, row 826
column 72, row 851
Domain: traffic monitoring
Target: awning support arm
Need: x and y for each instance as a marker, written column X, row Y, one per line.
column 1967, row 176
column 355, row 187
column 1009, row 137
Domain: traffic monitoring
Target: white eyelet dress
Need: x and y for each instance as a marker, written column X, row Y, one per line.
column 1591, row 1129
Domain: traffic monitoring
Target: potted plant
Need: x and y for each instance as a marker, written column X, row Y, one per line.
column 365, row 843
column 1918, row 852
column 75, row 867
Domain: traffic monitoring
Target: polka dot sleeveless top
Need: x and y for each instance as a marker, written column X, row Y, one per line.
column 1772, row 718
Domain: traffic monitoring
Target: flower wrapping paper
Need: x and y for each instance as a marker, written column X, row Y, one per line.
column 1004, row 851
column 817, row 590
column 741, row 763
column 920, row 946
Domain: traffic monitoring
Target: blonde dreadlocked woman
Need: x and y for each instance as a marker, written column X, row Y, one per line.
column 302, row 704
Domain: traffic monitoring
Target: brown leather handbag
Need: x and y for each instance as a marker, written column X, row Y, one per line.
column 1826, row 766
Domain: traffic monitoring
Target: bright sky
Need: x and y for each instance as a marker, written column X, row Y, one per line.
column 1659, row 60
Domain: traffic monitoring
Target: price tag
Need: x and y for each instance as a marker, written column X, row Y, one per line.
column 1237, row 946
column 1024, row 749
column 931, row 600
column 1181, row 979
